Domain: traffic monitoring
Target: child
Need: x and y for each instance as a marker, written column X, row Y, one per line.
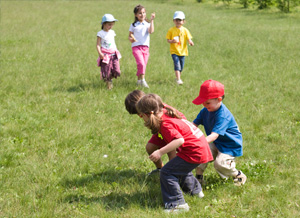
column 139, row 36
column 178, row 36
column 155, row 142
column 222, row 132
column 190, row 144
column 108, row 54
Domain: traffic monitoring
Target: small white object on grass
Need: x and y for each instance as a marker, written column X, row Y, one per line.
column 105, row 155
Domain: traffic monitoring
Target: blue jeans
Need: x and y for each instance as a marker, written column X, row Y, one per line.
column 176, row 174
column 178, row 62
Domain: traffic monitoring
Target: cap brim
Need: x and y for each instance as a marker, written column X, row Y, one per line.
column 199, row 100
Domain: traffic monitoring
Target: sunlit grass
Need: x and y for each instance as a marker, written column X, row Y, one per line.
column 57, row 120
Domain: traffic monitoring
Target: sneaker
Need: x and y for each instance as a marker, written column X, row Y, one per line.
column 200, row 178
column 240, row 179
column 109, row 85
column 144, row 84
column 201, row 194
column 156, row 171
column 139, row 83
column 175, row 209
column 179, row 82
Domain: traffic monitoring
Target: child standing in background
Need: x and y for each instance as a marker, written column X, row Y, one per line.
column 222, row 132
column 182, row 136
column 139, row 36
column 178, row 36
column 108, row 53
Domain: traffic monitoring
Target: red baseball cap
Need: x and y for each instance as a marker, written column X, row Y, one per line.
column 209, row 89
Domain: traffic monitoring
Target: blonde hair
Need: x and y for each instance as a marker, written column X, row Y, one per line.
column 152, row 105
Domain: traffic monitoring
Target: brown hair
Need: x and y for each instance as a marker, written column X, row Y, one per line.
column 152, row 105
column 135, row 11
column 131, row 100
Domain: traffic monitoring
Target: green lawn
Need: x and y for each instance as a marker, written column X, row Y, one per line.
column 57, row 119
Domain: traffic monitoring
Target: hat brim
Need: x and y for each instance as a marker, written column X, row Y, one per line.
column 199, row 100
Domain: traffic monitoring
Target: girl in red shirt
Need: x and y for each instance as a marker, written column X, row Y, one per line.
column 188, row 141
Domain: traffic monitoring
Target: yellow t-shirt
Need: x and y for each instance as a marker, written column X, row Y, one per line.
column 184, row 35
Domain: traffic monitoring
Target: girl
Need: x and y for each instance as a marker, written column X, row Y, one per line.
column 182, row 136
column 108, row 54
column 139, row 36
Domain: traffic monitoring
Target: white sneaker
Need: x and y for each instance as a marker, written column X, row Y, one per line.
column 139, row 83
column 144, row 84
column 179, row 82
column 240, row 179
column 201, row 194
column 180, row 208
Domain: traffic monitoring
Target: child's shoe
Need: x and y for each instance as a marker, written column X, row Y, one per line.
column 201, row 194
column 139, row 83
column 200, row 178
column 109, row 85
column 179, row 82
column 176, row 209
column 144, row 84
column 240, row 179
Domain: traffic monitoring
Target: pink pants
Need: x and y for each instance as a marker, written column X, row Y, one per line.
column 141, row 55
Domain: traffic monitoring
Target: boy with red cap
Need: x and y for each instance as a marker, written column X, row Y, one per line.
column 222, row 132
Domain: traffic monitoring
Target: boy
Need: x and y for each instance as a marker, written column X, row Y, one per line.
column 178, row 36
column 222, row 132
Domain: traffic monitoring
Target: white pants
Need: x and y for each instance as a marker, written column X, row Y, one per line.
column 224, row 163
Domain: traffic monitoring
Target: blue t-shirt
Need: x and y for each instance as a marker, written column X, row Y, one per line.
column 222, row 122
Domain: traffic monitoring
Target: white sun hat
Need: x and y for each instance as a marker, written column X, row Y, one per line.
column 179, row 15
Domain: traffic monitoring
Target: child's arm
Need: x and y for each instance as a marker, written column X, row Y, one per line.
column 156, row 155
column 171, row 41
column 98, row 46
column 151, row 28
column 212, row 137
column 131, row 37
column 191, row 42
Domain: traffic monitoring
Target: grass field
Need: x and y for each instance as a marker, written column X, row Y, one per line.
column 57, row 119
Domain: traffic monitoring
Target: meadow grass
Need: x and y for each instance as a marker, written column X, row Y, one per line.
column 57, row 119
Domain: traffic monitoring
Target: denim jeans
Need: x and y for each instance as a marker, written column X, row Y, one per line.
column 176, row 174
column 178, row 62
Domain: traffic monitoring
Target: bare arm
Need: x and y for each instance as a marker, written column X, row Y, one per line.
column 191, row 42
column 131, row 37
column 98, row 46
column 151, row 28
column 156, row 155
column 212, row 137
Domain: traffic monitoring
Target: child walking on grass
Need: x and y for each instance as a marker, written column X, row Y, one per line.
column 139, row 36
column 182, row 136
column 222, row 132
column 109, row 55
column 178, row 37
column 155, row 141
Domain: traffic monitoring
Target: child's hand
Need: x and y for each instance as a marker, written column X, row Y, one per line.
column 191, row 42
column 153, row 16
column 155, row 156
column 101, row 56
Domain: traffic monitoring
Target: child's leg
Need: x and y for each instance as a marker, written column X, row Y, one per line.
column 201, row 168
column 177, row 171
column 115, row 68
column 141, row 57
column 182, row 61
column 225, row 165
column 177, row 66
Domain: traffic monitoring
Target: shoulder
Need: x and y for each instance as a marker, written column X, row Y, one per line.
column 99, row 33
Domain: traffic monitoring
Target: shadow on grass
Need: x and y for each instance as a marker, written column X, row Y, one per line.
column 144, row 191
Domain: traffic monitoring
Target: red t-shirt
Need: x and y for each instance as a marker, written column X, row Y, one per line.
column 155, row 139
column 195, row 148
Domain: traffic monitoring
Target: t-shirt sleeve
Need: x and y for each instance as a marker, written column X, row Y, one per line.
column 131, row 28
column 188, row 34
column 221, row 124
column 169, row 133
column 198, row 121
column 169, row 35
